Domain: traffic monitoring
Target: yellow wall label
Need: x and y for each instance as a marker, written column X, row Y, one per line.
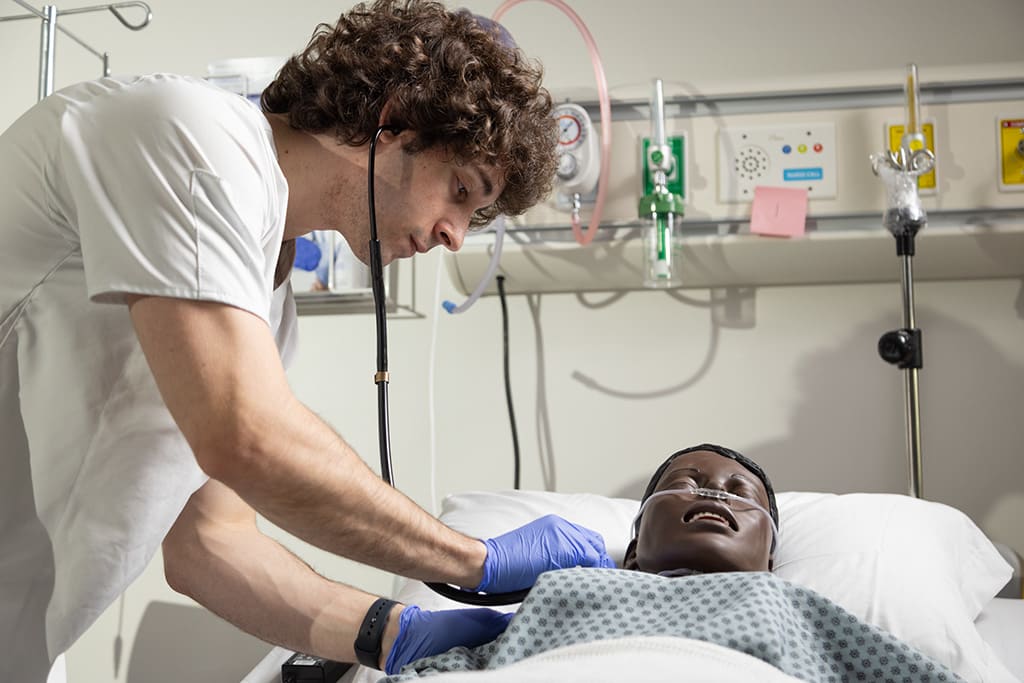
column 1011, row 151
column 925, row 181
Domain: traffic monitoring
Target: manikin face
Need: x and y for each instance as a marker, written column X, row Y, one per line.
column 423, row 200
column 704, row 534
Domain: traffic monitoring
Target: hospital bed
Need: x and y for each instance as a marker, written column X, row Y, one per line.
column 920, row 570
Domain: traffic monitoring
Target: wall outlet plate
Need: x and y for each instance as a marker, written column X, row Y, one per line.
column 927, row 183
column 1010, row 145
column 793, row 156
column 677, row 178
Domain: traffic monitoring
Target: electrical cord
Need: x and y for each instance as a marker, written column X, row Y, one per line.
column 494, row 599
column 508, row 382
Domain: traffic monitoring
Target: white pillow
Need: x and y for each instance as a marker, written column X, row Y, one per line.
column 921, row 570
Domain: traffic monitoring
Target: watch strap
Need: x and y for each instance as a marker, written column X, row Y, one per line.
column 368, row 640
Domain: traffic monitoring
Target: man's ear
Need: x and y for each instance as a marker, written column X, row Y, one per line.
column 629, row 561
column 385, row 119
column 385, row 114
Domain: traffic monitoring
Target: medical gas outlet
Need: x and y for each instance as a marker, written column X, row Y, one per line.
column 676, row 177
column 1011, row 153
column 578, row 155
column 796, row 156
column 927, row 183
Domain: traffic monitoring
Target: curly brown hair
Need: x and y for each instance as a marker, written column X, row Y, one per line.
column 447, row 75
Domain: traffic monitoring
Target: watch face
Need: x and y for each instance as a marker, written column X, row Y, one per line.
column 570, row 131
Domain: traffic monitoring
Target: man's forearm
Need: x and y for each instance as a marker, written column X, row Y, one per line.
column 302, row 476
column 256, row 584
column 220, row 376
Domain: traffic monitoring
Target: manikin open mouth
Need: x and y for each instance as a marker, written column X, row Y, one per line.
column 710, row 512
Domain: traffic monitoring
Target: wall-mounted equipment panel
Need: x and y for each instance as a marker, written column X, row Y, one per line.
column 927, row 183
column 796, row 156
column 1011, row 153
column 979, row 247
column 677, row 180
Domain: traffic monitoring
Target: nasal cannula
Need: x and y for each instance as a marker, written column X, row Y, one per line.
column 729, row 499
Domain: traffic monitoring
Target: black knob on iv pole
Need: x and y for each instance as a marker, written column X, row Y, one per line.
column 901, row 348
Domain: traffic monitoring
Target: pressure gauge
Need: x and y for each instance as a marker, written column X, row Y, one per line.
column 567, row 166
column 578, row 155
column 570, row 130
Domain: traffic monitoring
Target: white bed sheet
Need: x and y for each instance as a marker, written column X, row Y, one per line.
column 655, row 659
column 1001, row 624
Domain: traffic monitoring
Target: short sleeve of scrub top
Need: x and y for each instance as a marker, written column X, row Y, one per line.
column 194, row 210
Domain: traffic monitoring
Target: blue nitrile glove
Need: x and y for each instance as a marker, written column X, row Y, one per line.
column 515, row 559
column 422, row 633
column 307, row 253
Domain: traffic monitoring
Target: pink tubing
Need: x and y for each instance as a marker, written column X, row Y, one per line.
column 606, row 116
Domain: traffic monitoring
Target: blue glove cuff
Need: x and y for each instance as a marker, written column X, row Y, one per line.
column 491, row 564
column 392, row 664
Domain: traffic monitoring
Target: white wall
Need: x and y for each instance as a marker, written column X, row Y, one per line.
column 608, row 384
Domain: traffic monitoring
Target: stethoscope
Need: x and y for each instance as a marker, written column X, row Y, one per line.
column 381, row 379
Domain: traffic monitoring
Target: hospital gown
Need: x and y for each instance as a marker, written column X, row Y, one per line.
column 792, row 628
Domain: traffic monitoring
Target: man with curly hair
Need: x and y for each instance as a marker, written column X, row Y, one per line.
column 148, row 226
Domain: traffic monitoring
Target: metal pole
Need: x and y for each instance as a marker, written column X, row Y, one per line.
column 48, row 43
column 912, row 390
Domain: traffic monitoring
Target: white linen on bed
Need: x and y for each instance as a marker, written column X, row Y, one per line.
column 653, row 659
column 1001, row 624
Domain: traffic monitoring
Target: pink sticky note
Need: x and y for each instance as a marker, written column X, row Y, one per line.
column 778, row 211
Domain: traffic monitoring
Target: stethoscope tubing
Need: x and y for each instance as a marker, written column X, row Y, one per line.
column 381, row 378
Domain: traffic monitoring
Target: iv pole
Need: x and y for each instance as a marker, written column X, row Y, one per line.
column 904, row 217
column 48, row 36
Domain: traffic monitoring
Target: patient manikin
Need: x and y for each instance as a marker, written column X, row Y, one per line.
column 706, row 509
column 709, row 515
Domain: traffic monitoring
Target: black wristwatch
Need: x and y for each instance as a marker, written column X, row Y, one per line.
column 368, row 640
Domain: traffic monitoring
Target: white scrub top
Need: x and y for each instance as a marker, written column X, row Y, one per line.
column 160, row 185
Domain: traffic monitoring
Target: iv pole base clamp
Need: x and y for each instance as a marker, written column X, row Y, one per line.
column 902, row 348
